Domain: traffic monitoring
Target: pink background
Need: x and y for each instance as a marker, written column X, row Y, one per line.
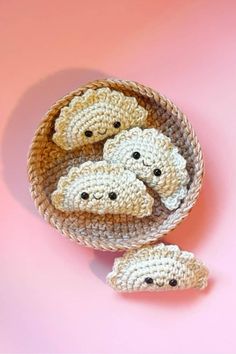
column 53, row 298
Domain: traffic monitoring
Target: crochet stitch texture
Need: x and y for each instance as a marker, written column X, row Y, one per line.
column 100, row 188
column 155, row 160
column 47, row 162
column 157, row 268
column 96, row 115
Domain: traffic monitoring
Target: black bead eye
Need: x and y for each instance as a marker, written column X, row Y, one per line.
column 116, row 124
column 173, row 282
column 112, row 195
column 148, row 280
column 136, row 155
column 88, row 133
column 84, row 195
column 157, row 172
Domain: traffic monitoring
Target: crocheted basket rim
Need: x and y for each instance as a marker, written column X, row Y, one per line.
column 47, row 163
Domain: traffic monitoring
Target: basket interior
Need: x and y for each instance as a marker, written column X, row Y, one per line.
column 48, row 162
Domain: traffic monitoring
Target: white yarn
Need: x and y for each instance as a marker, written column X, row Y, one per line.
column 98, row 180
column 102, row 112
column 167, row 266
column 156, row 153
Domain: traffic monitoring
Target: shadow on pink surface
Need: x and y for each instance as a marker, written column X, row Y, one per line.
column 102, row 263
column 25, row 119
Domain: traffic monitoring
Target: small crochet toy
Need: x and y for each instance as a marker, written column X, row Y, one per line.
column 96, row 115
column 101, row 188
column 154, row 159
column 157, row 268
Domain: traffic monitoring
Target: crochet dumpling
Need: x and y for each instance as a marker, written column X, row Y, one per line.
column 155, row 160
column 100, row 188
column 157, row 268
column 96, row 115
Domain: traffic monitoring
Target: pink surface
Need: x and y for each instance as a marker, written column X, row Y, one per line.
column 53, row 298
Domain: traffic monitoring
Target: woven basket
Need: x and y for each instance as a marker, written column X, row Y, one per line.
column 47, row 163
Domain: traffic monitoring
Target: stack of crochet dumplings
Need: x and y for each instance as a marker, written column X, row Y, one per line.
column 138, row 163
column 134, row 158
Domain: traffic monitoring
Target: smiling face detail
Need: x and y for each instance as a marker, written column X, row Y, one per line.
column 154, row 159
column 96, row 115
column 100, row 188
column 157, row 268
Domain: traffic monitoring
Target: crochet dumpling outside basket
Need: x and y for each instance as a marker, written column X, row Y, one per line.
column 48, row 162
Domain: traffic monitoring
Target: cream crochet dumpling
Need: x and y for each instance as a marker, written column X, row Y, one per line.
column 154, row 159
column 157, row 268
column 100, row 188
column 96, row 115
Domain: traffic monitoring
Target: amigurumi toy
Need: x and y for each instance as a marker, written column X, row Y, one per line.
column 96, row 115
column 157, row 268
column 154, row 159
column 101, row 188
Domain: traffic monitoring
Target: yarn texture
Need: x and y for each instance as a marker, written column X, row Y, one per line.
column 157, row 268
column 155, row 160
column 48, row 162
column 96, row 115
column 101, row 188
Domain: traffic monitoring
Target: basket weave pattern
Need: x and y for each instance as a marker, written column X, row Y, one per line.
column 47, row 162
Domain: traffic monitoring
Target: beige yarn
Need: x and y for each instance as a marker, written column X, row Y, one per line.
column 96, row 112
column 48, row 162
column 107, row 189
column 157, row 268
column 156, row 154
